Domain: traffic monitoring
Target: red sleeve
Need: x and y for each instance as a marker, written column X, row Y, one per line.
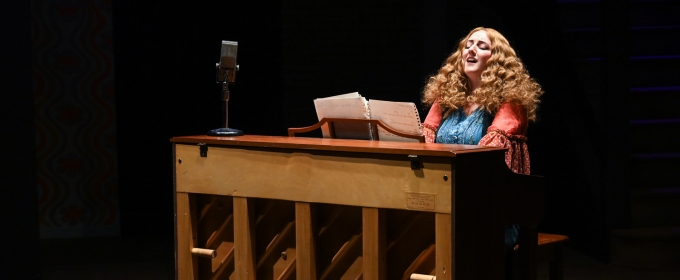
column 508, row 130
column 432, row 122
column 511, row 118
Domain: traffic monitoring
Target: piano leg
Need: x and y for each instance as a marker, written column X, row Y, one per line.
column 527, row 251
column 305, row 241
column 244, row 231
column 443, row 243
column 185, row 222
column 374, row 225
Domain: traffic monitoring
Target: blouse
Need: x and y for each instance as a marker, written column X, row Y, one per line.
column 458, row 128
column 508, row 129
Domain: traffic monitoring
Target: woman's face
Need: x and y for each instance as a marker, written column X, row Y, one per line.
column 477, row 51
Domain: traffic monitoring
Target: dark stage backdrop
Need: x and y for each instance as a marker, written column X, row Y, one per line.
column 291, row 52
column 166, row 54
column 19, row 253
column 75, row 116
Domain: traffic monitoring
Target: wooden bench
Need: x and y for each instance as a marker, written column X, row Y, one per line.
column 551, row 249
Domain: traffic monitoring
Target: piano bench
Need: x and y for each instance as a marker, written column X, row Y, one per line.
column 551, row 249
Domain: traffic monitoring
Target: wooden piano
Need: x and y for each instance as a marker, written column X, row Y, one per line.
column 266, row 207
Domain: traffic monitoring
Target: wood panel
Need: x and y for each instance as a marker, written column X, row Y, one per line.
column 339, row 244
column 275, row 234
column 384, row 181
column 479, row 207
column 407, row 242
column 215, row 231
column 374, row 243
column 244, row 247
column 443, row 268
column 424, row 264
column 337, row 145
column 187, row 263
column 305, row 242
column 417, row 214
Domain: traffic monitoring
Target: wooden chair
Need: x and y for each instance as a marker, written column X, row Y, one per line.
column 354, row 129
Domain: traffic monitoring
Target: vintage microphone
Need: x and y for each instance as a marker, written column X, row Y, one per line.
column 226, row 73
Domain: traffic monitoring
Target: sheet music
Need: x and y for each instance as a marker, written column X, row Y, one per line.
column 350, row 106
column 346, row 95
column 402, row 116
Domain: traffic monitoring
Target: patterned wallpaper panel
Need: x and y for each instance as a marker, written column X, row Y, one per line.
column 75, row 118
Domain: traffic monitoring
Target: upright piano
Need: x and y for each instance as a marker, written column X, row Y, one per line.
column 268, row 207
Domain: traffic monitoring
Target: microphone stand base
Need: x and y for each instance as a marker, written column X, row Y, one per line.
column 225, row 132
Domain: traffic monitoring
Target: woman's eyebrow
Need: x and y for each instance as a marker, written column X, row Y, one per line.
column 478, row 41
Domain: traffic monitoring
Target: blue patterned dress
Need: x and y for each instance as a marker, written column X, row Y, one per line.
column 460, row 129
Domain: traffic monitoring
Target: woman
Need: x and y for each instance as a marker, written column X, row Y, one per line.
column 483, row 95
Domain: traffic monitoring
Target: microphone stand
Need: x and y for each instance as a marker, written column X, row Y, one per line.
column 225, row 131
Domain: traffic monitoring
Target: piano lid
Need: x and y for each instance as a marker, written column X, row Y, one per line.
column 340, row 145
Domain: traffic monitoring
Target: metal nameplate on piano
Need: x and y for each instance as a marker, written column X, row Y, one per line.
column 421, row 201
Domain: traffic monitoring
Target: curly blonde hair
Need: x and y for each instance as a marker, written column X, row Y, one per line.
column 504, row 80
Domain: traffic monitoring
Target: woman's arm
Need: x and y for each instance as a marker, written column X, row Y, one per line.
column 508, row 130
column 431, row 123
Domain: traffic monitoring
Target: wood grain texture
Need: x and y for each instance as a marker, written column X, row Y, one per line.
column 186, row 261
column 424, row 263
column 444, row 249
column 375, row 123
column 478, row 197
column 369, row 180
column 244, row 227
column 305, row 242
column 547, row 238
column 338, row 145
column 374, row 243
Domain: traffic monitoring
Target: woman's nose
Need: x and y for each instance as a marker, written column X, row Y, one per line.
column 472, row 50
